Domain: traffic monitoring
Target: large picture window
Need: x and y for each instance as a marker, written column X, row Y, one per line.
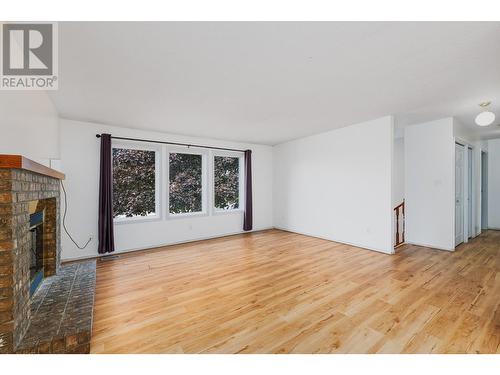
column 226, row 182
column 140, row 171
column 134, row 183
column 185, row 183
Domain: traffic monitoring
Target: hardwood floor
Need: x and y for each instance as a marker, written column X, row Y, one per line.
column 279, row 292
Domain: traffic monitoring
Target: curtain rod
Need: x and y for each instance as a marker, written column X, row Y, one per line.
column 174, row 143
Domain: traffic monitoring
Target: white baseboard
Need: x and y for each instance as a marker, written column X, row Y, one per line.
column 65, row 260
column 118, row 252
column 337, row 240
column 430, row 246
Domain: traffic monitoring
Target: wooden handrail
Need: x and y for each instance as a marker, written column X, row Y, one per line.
column 402, row 204
column 400, row 235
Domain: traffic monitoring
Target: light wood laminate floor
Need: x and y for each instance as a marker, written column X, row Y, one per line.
column 279, row 292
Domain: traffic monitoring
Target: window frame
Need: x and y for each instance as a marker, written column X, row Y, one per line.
column 131, row 145
column 204, row 182
column 241, row 182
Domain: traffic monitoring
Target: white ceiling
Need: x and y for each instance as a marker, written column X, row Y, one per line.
column 272, row 82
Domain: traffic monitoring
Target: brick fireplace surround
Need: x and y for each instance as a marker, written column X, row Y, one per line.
column 58, row 317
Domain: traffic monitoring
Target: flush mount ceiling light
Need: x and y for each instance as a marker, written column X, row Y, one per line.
column 486, row 117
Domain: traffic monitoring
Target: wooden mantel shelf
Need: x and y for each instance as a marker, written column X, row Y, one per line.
column 21, row 162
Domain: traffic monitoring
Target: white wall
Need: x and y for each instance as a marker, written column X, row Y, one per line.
column 337, row 185
column 398, row 179
column 476, row 187
column 494, row 184
column 429, row 184
column 29, row 124
column 398, row 187
column 482, row 146
column 80, row 162
column 463, row 135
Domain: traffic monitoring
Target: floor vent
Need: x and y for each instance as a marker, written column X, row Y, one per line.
column 110, row 257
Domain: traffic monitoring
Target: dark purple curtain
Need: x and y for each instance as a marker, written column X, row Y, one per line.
column 247, row 218
column 106, row 234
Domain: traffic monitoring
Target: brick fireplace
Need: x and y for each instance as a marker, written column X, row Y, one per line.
column 31, row 321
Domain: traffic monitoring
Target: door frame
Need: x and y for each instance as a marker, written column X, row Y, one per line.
column 470, row 194
column 484, row 190
column 459, row 183
column 465, row 188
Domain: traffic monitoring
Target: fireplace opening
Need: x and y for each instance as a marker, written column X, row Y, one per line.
column 36, row 264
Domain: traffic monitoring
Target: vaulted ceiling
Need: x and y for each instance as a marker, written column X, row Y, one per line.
column 271, row 82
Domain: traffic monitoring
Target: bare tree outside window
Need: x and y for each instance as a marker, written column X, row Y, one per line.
column 185, row 186
column 226, row 182
column 133, row 182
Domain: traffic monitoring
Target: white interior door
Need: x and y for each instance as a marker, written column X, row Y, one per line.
column 484, row 190
column 459, row 194
column 469, row 194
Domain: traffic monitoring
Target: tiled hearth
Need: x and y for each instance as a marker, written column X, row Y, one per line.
column 58, row 316
column 61, row 312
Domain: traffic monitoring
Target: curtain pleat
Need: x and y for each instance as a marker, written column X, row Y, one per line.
column 247, row 218
column 106, row 233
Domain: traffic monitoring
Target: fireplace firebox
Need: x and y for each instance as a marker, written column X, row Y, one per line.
column 36, row 250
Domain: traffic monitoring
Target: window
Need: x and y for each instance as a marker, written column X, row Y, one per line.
column 134, row 183
column 226, row 182
column 140, row 173
column 185, row 183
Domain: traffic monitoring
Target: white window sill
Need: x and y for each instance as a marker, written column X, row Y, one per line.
column 136, row 220
column 186, row 215
column 226, row 212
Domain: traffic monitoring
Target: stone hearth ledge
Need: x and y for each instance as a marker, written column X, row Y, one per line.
column 61, row 312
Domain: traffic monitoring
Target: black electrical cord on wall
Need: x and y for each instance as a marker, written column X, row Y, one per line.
column 64, row 221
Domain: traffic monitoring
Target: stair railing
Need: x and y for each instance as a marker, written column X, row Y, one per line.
column 399, row 210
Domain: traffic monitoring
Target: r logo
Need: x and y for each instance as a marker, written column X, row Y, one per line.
column 27, row 49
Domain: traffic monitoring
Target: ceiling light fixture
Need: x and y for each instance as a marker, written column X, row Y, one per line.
column 486, row 117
